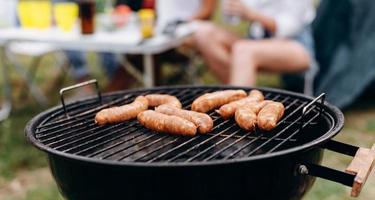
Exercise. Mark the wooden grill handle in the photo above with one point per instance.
(361, 166)
(355, 174)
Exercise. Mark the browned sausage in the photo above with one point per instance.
(122, 113)
(270, 115)
(203, 121)
(214, 100)
(256, 95)
(160, 99)
(246, 116)
(165, 123)
(227, 111)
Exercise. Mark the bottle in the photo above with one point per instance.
(147, 22)
(87, 15)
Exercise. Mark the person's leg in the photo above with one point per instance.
(215, 44)
(109, 64)
(121, 79)
(273, 55)
(78, 63)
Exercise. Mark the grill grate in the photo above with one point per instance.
(131, 142)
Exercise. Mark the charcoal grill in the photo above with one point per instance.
(128, 161)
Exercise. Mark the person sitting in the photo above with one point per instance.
(170, 11)
(280, 40)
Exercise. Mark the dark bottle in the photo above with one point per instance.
(148, 4)
(87, 15)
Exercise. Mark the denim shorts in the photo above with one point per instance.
(305, 38)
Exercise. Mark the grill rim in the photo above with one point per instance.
(335, 114)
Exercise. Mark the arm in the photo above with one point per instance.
(267, 22)
(288, 22)
(206, 10)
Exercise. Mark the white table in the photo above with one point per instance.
(127, 41)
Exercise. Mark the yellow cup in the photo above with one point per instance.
(147, 20)
(66, 15)
(35, 14)
(24, 13)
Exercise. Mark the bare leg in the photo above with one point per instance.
(215, 45)
(273, 55)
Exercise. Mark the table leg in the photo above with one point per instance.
(148, 76)
(129, 67)
(6, 106)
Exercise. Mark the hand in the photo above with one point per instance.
(237, 8)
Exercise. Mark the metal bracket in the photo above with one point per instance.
(62, 91)
(326, 173)
(306, 110)
(340, 147)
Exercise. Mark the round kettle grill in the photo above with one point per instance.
(128, 161)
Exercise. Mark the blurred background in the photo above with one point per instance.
(24, 172)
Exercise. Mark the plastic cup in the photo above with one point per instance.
(147, 20)
(43, 14)
(66, 15)
(25, 15)
(35, 14)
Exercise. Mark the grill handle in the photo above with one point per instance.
(63, 90)
(309, 107)
(355, 174)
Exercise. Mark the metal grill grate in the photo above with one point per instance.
(131, 142)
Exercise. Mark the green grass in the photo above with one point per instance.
(20, 162)
(24, 173)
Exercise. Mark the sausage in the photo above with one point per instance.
(122, 113)
(246, 115)
(246, 118)
(165, 123)
(256, 95)
(227, 111)
(202, 121)
(270, 115)
(214, 100)
(160, 99)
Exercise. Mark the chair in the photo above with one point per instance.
(309, 78)
(37, 51)
(6, 105)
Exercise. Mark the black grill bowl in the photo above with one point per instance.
(264, 179)
(263, 174)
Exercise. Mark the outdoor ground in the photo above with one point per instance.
(24, 173)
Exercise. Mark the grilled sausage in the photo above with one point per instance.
(214, 100)
(122, 113)
(256, 95)
(227, 111)
(160, 99)
(246, 115)
(246, 118)
(165, 123)
(202, 121)
(270, 115)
